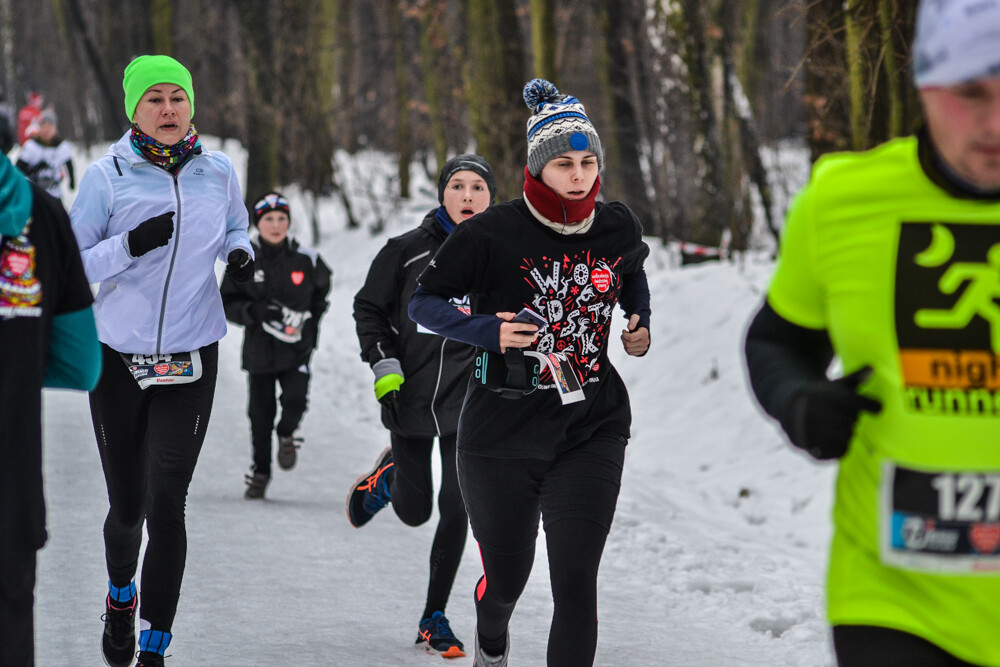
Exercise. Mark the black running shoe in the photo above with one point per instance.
(370, 493)
(149, 659)
(118, 642)
(435, 637)
(256, 485)
(286, 451)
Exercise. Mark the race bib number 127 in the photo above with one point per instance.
(946, 521)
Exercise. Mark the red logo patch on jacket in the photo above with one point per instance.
(298, 277)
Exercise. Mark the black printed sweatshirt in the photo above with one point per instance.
(505, 260)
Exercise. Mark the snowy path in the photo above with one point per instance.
(716, 556)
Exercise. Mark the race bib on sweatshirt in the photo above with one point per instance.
(163, 369)
(941, 521)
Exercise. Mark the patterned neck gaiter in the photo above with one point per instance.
(168, 157)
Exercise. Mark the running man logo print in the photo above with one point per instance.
(577, 296)
(948, 317)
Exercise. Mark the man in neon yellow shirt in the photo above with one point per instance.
(889, 261)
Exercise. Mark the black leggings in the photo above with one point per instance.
(871, 646)
(263, 408)
(149, 441)
(575, 495)
(412, 494)
(17, 601)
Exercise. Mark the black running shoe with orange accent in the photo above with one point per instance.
(118, 641)
(370, 493)
(435, 637)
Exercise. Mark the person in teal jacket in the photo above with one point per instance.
(47, 339)
(889, 261)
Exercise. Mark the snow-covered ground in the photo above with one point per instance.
(716, 556)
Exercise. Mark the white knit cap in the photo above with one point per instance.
(956, 41)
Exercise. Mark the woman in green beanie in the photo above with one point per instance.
(151, 218)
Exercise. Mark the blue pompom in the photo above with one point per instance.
(538, 92)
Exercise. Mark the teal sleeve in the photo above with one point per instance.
(74, 352)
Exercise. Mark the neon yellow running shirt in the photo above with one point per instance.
(906, 279)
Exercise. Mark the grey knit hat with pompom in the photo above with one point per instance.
(558, 124)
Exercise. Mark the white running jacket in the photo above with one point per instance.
(165, 301)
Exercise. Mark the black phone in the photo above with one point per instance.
(528, 316)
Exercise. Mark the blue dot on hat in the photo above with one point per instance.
(579, 142)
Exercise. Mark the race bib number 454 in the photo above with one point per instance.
(945, 521)
(157, 369)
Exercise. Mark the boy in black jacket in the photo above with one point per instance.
(280, 311)
(436, 372)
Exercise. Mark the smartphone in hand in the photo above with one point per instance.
(528, 316)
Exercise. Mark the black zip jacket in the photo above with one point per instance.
(292, 275)
(436, 370)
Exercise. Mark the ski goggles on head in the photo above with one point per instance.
(271, 202)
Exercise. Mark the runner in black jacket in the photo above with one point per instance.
(436, 371)
(557, 452)
(280, 311)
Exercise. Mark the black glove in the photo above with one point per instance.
(265, 311)
(821, 417)
(150, 234)
(240, 267)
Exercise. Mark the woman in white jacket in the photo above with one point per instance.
(151, 218)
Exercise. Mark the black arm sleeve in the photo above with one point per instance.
(236, 302)
(634, 298)
(321, 292)
(782, 359)
(374, 303)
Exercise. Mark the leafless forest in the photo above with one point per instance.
(684, 93)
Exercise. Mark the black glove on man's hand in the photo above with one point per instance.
(821, 418)
(150, 234)
(265, 311)
(240, 267)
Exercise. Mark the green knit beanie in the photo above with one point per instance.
(146, 71)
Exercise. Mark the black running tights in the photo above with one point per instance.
(412, 495)
(17, 601)
(871, 646)
(575, 496)
(149, 441)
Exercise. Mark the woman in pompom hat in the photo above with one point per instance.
(151, 218)
(279, 311)
(435, 372)
(543, 436)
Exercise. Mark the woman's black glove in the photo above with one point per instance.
(150, 234)
(821, 417)
(240, 267)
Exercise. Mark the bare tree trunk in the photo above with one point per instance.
(263, 121)
(433, 41)
(706, 228)
(161, 21)
(543, 41)
(404, 146)
(111, 101)
(855, 75)
(622, 21)
(893, 86)
(495, 80)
